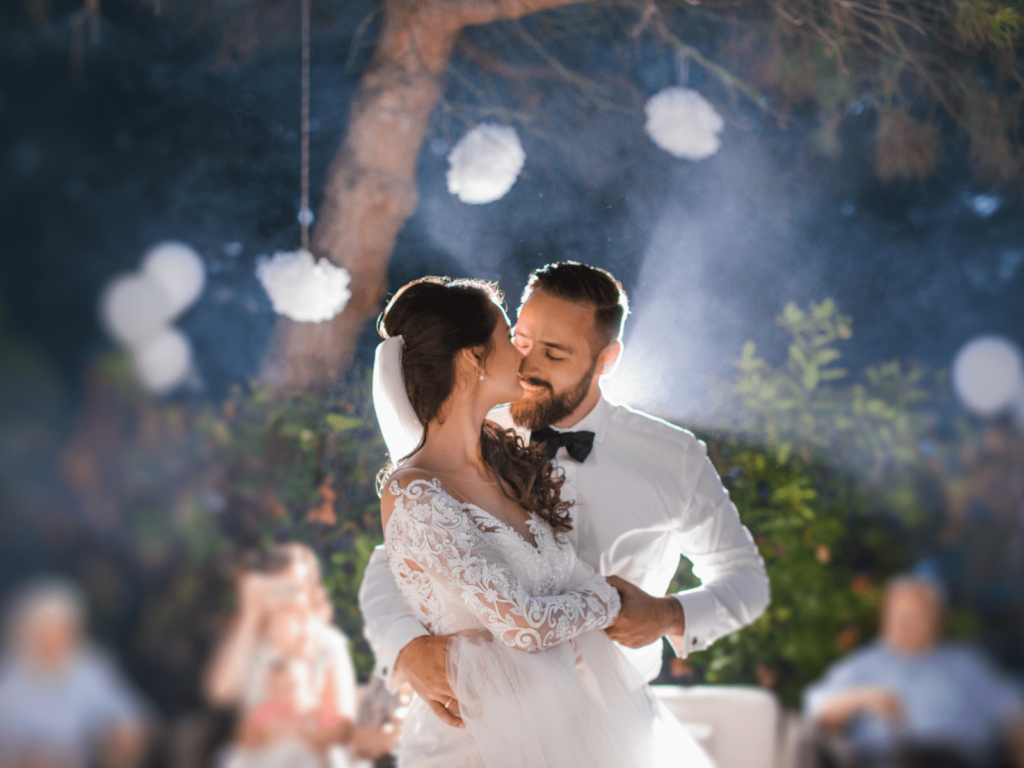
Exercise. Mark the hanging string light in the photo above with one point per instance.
(305, 214)
(299, 286)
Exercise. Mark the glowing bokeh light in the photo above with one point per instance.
(485, 164)
(986, 205)
(137, 310)
(988, 374)
(178, 270)
(684, 123)
(163, 362)
(134, 308)
(302, 288)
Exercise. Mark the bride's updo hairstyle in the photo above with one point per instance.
(437, 318)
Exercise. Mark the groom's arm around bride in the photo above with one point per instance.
(645, 495)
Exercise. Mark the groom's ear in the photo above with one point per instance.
(608, 358)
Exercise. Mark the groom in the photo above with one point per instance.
(645, 494)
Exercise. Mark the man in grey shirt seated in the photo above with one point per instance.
(63, 703)
(913, 699)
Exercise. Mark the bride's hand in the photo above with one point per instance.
(423, 663)
(644, 618)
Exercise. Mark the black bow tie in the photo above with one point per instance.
(577, 444)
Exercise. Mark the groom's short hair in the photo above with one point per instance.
(592, 287)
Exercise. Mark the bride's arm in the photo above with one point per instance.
(435, 535)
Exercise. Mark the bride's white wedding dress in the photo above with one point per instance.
(539, 684)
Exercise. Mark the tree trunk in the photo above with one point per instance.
(371, 184)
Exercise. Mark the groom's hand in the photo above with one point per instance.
(423, 663)
(644, 618)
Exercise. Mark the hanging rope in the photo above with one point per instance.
(305, 214)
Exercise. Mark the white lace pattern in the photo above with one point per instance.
(465, 569)
(572, 700)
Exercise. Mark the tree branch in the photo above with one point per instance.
(477, 12)
(371, 184)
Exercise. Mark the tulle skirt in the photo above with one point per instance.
(287, 753)
(578, 704)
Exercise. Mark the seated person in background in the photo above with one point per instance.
(287, 711)
(284, 616)
(285, 727)
(913, 699)
(63, 703)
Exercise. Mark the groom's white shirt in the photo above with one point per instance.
(646, 495)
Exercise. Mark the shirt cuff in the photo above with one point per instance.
(400, 634)
(699, 610)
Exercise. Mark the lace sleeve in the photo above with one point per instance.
(429, 534)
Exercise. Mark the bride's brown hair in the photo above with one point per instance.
(437, 318)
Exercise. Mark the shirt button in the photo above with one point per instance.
(695, 641)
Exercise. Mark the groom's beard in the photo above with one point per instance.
(546, 409)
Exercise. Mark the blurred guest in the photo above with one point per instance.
(290, 673)
(63, 704)
(913, 699)
(283, 728)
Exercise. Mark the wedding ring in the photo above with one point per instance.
(450, 699)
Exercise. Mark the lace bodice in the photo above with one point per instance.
(465, 569)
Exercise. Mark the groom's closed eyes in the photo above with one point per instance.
(552, 350)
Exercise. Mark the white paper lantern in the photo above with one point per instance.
(988, 374)
(485, 164)
(134, 308)
(163, 362)
(179, 270)
(683, 123)
(302, 288)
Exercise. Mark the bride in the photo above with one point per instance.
(474, 533)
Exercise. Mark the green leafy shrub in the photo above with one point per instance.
(200, 489)
(828, 473)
